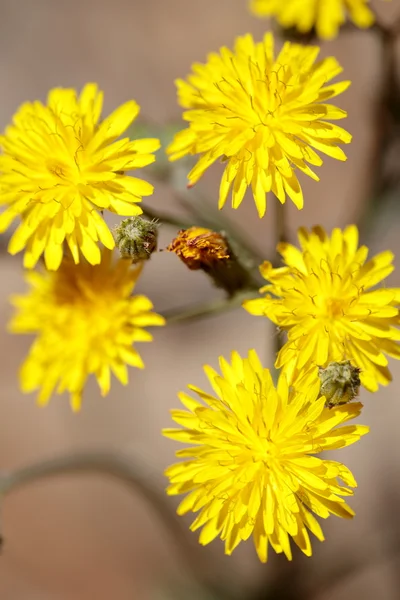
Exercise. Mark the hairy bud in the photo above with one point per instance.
(340, 382)
(136, 238)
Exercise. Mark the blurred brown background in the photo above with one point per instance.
(84, 537)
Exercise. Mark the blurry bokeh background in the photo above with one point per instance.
(88, 537)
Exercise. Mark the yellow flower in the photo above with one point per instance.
(325, 15)
(325, 298)
(61, 167)
(251, 469)
(86, 321)
(262, 115)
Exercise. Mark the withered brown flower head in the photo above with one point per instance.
(199, 247)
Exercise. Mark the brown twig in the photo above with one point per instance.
(384, 125)
(212, 308)
(281, 235)
(126, 470)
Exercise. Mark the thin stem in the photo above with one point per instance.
(384, 125)
(208, 309)
(115, 466)
(281, 235)
(179, 222)
(393, 30)
(110, 464)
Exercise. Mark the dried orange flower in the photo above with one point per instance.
(199, 247)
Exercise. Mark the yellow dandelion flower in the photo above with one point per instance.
(86, 322)
(251, 469)
(61, 166)
(326, 299)
(263, 115)
(325, 15)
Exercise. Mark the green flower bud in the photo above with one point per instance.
(340, 382)
(136, 238)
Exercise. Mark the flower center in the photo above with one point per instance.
(66, 174)
(334, 307)
(265, 451)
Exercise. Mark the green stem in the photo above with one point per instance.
(209, 309)
(179, 222)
